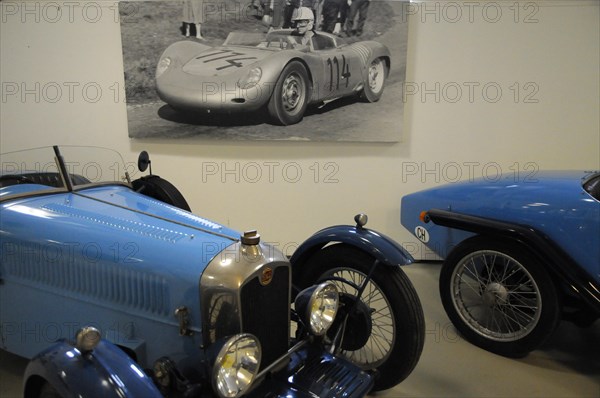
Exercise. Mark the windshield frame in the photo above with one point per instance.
(62, 169)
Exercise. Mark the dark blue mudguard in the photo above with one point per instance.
(106, 371)
(381, 247)
(312, 373)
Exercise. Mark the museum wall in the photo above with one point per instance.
(486, 95)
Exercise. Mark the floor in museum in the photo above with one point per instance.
(567, 366)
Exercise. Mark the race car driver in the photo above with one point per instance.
(304, 21)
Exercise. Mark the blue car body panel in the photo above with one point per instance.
(553, 203)
(110, 266)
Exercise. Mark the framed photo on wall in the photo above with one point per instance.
(329, 70)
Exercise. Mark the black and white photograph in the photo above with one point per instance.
(327, 70)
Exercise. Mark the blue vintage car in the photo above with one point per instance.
(147, 299)
(519, 254)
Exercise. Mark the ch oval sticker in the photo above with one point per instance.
(422, 234)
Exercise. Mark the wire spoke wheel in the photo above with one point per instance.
(385, 330)
(498, 296)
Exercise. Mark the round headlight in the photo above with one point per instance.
(318, 304)
(236, 366)
(251, 79)
(162, 66)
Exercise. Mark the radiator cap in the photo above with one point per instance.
(250, 238)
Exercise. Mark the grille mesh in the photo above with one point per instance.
(265, 313)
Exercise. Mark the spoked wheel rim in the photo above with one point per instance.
(496, 296)
(293, 93)
(376, 75)
(381, 341)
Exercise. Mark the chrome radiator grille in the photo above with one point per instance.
(265, 313)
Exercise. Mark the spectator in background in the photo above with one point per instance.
(193, 14)
(331, 13)
(360, 8)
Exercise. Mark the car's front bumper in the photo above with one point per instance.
(210, 93)
(312, 372)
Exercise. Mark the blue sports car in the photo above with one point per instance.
(148, 299)
(519, 254)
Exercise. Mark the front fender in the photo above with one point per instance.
(106, 371)
(383, 248)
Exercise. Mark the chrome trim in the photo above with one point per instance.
(222, 282)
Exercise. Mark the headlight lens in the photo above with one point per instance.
(251, 79)
(236, 366)
(318, 305)
(162, 66)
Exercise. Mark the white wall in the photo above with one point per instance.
(542, 55)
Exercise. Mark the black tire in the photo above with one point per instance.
(498, 296)
(291, 95)
(396, 312)
(160, 189)
(375, 83)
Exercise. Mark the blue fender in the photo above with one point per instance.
(106, 371)
(378, 245)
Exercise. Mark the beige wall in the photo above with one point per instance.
(62, 83)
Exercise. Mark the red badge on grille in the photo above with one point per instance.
(266, 277)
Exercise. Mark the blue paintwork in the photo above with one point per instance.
(109, 267)
(553, 203)
(376, 244)
(105, 372)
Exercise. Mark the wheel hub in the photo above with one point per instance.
(373, 73)
(358, 326)
(291, 93)
(495, 294)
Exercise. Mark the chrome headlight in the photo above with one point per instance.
(162, 66)
(251, 79)
(318, 306)
(236, 365)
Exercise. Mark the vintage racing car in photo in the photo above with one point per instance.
(520, 253)
(251, 71)
(147, 299)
